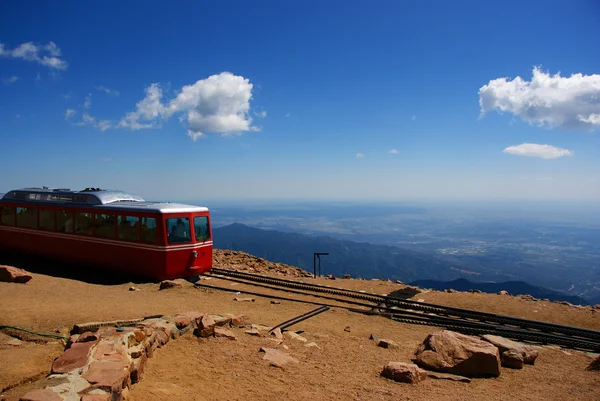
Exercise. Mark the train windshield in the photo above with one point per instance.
(201, 228)
(179, 230)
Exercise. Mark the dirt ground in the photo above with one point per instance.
(345, 366)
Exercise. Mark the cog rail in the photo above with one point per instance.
(405, 304)
(413, 317)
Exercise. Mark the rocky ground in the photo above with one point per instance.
(343, 362)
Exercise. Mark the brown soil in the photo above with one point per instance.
(346, 366)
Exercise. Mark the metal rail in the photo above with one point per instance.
(442, 311)
(412, 317)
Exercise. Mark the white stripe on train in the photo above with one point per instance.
(137, 245)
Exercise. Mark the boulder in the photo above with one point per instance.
(502, 292)
(512, 359)
(205, 326)
(595, 365)
(530, 354)
(451, 352)
(404, 372)
(12, 274)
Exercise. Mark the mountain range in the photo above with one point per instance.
(512, 287)
(366, 260)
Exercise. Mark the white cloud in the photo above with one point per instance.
(10, 80)
(552, 101)
(88, 119)
(394, 151)
(261, 114)
(360, 155)
(87, 103)
(47, 55)
(108, 91)
(414, 118)
(69, 113)
(38, 77)
(217, 104)
(536, 150)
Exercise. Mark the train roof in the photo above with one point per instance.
(101, 198)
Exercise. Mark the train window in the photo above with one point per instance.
(179, 230)
(201, 228)
(46, 219)
(148, 232)
(104, 225)
(84, 223)
(26, 217)
(64, 221)
(7, 216)
(127, 229)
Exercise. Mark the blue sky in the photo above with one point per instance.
(303, 100)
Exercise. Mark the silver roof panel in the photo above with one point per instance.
(112, 199)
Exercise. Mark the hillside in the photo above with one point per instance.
(345, 257)
(512, 287)
(344, 364)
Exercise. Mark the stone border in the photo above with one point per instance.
(102, 365)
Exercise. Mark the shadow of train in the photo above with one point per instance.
(58, 268)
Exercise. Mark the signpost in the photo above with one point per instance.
(317, 255)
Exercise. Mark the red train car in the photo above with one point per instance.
(108, 229)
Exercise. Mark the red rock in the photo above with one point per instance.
(387, 344)
(205, 326)
(107, 375)
(277, 333)
(87, 336)
(109, 351)
(530, 354)
(451, 352)
(253, 332)
(238, 321)
(512, 359)
(221, 320)
(95, 397)
(41, 395)
(595, 365)
(404, 372)
(169, 284)
(73, 358)
(12, 274)
(224, 333)
(277, 358)
(161, 338)
(139, 336)
(448, 376)
(138, 368)
(503, 292)
(182, 321)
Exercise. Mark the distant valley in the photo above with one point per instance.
(362, 259)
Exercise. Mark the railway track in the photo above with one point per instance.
(408, 311)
